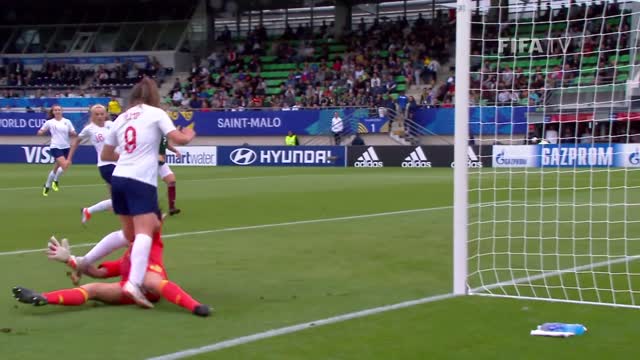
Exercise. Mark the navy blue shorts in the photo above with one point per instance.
(106, 171)
(133, 197)
(56, 153)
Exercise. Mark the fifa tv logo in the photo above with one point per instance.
(533, 46)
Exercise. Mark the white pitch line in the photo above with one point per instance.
(263, 226)
(358, 314)
(295, 328)
(253, 227)
(545, 275)
(236, 178)
(313, 221)
(187, 180)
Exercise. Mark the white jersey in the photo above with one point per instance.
(60, 131)
(137, 133)
(96, 135)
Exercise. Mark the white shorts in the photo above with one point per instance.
(164, 170)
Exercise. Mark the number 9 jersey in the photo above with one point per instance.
(138, 133)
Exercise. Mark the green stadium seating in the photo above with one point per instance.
(274, 74)
(400, 79)
(622, 78)
(337, 48)
(268, 59)
(278, 67)
(274, 82)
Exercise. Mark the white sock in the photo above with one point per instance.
(103, 205)
(58, 174)
(139, 258)
(50, 179)
(106, 246)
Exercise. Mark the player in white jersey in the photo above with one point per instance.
(61, 131)
(134, 183)
(95, 132)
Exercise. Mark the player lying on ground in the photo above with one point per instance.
(155, 283)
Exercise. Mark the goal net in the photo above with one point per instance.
(552, 93)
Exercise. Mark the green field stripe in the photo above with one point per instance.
(299, 327)
(254, 227)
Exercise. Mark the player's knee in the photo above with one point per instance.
(91, 290)
(153, 282)
(170, 179)
(62, 163)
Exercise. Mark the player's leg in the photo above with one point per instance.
(136, 203)
(111, 293)
(105, 172)
(145, 225)
(69, 297)
(50, 177)
(104, 205)
(156, 282)
(62, 163)
(170, 179)
(108, 244)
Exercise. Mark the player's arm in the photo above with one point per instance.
(72, 130)
(76, 142)
(109, 153)
(179, 137)
(61, 251)
(44, 129)
(74, 146)
(173, 148)
(109, 269)
(109, 149)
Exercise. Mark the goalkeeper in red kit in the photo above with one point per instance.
(155, 283)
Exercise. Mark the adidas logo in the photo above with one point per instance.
(473, 161)
(417, 158)
(368, 159)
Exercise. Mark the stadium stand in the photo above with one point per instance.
(596, 55)
(368, 66)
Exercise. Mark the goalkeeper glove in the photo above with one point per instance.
(60, 251)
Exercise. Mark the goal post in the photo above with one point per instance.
(553, 93)
(460, 195)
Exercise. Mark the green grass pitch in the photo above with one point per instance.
(265, 277)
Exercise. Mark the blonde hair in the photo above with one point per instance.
(92, 108)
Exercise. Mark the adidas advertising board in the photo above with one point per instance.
(416, 158)
(369, 158)
(473, 159)
(401, 156)
(325, 156)
(193, 156)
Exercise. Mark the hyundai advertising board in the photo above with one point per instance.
(327, 156)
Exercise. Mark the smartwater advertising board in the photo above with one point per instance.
(192, 156)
